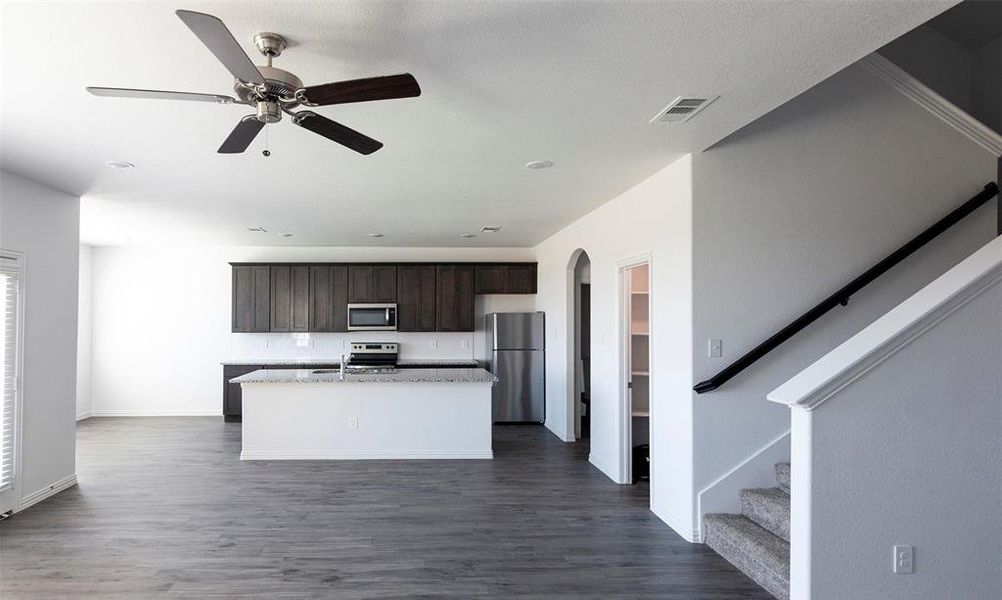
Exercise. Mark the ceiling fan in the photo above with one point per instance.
(273, 91)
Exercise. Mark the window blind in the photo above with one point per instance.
(10, 300)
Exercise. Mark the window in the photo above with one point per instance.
(10, 311)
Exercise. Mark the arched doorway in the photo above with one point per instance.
(579, 345)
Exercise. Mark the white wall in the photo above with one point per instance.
(161, 322)
(793, 207)
(84, 334)
(44, 224)
(652, 217)
(911, 454)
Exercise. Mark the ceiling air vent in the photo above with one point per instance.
(682, 109)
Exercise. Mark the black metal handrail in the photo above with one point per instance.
(841, 297)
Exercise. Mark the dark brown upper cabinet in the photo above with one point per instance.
(416, 292)
(372, 283)
(520, 279)
(290, 298)
(515, 278)
(455, 298)
(251, 311)
(314, 297)
(329, 298)
(490, 279)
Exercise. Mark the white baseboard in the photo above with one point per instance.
(678, 524)
(51, 490)
(84, 415)
(366, 455)
(156, 413)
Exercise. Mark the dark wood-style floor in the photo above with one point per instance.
(165, 509)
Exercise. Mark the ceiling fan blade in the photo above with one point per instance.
(221, 42)
(158, 95)
(336, 132)
(242, 135)
(363, 90)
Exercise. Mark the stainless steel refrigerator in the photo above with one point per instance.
(515, 343)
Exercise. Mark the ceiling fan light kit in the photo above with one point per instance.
(273, 91)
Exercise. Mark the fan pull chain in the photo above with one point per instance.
(266, 153)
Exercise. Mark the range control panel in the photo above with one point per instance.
(375, 347)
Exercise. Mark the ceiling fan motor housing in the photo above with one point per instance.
(279, 83)
(269, 112)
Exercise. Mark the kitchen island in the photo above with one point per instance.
(414, 413)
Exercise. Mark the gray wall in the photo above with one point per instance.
(935, 60)
(796, 205)
(931, 480)
(44, 224)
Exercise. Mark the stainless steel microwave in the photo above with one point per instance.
(372, 317)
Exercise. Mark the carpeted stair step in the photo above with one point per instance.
(770, 508)
(757, 553)
(783, 476)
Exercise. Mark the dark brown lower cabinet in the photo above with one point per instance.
(456, 298)
(416, 293)
(233, 393)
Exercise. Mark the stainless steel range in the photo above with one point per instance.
(373, 357)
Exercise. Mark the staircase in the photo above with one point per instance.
(757, 541)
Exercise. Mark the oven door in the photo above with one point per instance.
(372, 317)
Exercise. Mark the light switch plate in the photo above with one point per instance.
(716, 348)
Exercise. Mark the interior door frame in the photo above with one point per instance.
(13, 502)
(625, 402)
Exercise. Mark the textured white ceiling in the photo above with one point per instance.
(503, 83)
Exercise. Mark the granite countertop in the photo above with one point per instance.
(459, 362)
(452, 375)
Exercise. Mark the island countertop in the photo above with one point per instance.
(451, 375)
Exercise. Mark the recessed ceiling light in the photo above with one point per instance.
(375, 235)
(490, 228)
(119, 164)
(467, 235)
(539, 164)
(257, 229)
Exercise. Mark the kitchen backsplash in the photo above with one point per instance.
(333, 345)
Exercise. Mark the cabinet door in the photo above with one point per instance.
(339, 291)
(321, 299)
(251, 299)
(416, 298)
(300, 298)
(385, 283)
(520, 279)
(290, 298)
(456, 298)
(490, 279)
(361, 283)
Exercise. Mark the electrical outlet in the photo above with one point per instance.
(353, 423)
(904, 559)
(716, 349)
(464, 344)
(434, 344)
